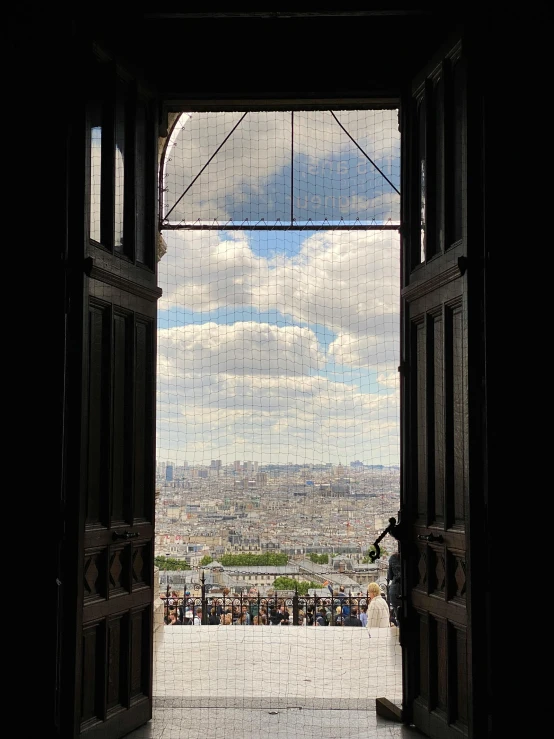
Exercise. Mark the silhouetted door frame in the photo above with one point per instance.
(106, 645)
(442, 397)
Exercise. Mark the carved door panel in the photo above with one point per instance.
(438, 503)
(106, 682)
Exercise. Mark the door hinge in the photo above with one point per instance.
(88, 266)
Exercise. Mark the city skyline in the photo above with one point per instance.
(184, 465)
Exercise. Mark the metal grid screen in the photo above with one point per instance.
(278, 410)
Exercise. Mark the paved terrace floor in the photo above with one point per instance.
(249, 682)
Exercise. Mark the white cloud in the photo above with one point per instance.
(366, 351)
(346, 281)
(256, 160)
(389, 379)
(277, 418)
(254, 390)
(245, 347)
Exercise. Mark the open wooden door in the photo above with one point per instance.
(105, 634)
(442, 401)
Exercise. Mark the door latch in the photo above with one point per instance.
(125, 535)
(430, 537)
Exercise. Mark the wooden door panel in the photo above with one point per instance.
(118, 540)
(435, 430)
(115, 676)
(436, 340)
(112, 680)
(441, 584)
(441, 708)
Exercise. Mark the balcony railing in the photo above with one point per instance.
(244, 609)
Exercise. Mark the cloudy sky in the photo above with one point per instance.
(280, 346)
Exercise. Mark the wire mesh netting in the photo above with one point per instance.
(278, 412)
(282, 168)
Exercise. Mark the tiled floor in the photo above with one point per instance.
(248, 682)
(291, 723)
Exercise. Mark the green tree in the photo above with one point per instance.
(234, 560)
(319, 559)
(170, 563)
(206, 560)
(289, 583)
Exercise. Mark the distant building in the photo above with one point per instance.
(173, 512)
(169, 473)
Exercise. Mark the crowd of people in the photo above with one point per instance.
(338, 610)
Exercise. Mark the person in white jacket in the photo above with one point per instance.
(378, 610)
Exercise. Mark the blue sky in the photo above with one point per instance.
(281, 345)
(254, 174)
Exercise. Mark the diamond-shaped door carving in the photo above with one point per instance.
(91, 576)
(116, 568)
(440, 573)
(422, 567)
(460, 577)
(138, 565)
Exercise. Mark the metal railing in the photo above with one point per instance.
(260, 609)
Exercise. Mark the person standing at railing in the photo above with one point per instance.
(279, 616)
(321, 619)
(352, 619)
(253, 606)
(274, 616)
(344, 601)
(378, 611)
(185, 605)
(218, 609)
(213, 618)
